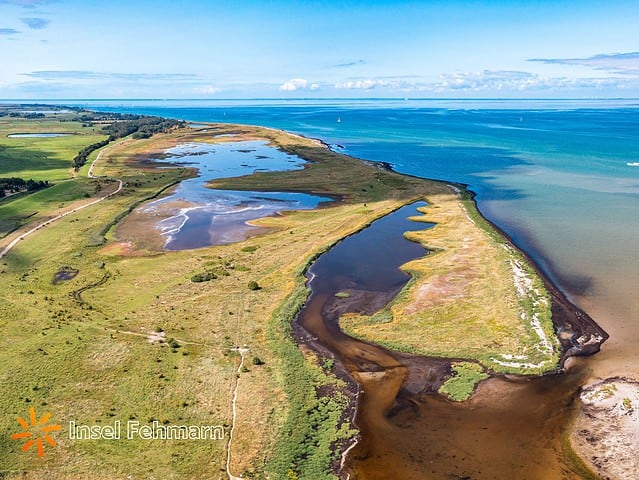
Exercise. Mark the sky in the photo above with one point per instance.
(90, 49)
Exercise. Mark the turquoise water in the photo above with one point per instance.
(560, 177)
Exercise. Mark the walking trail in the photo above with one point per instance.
(18, 239)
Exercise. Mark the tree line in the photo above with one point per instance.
(15, 185)
(141, 127)
(123, 125)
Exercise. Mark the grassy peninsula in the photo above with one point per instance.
(102, 325)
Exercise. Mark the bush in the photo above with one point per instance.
(203, 277)
(258, 361)
(253, 285)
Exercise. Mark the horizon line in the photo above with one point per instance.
(315, 99)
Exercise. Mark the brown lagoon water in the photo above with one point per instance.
(511, 429)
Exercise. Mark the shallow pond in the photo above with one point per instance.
(201, 216)
(38, 135)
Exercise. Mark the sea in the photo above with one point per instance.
(560, 177)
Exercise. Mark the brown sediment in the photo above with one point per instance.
(507, 430)
(511, 428)
(139, 229)
(121, 249)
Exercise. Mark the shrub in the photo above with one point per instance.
(203, 277)
(253, 285)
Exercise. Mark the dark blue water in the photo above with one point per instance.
(348, 264)
(560, 177)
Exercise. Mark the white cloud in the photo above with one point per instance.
(620, 63)
(491, 82)
(513, 81)
(299, 84)
(90, 75)
(366, 84)
(207, 90)
(486, 80)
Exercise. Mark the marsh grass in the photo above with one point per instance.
(461, 385)
(462, 301)
(94, 362)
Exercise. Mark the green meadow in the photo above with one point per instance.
(43, 158)
(47, 159)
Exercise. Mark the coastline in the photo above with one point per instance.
(579, 334)
(576, 330)
(381, 166)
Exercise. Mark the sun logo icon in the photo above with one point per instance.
(41, 431)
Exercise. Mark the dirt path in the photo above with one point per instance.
(161, 336)
(242, 352)
(157, 337)
(18, 239)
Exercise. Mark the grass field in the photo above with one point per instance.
(43, 159)
(132, 337)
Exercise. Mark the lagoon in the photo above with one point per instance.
(553, 174)
(200, 216)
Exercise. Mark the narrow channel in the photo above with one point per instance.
(511, 428)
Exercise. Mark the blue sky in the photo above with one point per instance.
(54, 49)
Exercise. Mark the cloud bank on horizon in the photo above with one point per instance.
(619, 63)
(393, 48)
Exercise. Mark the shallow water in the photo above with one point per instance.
(37, 135)
(508, 430)
(557, 176)
(204, 216)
